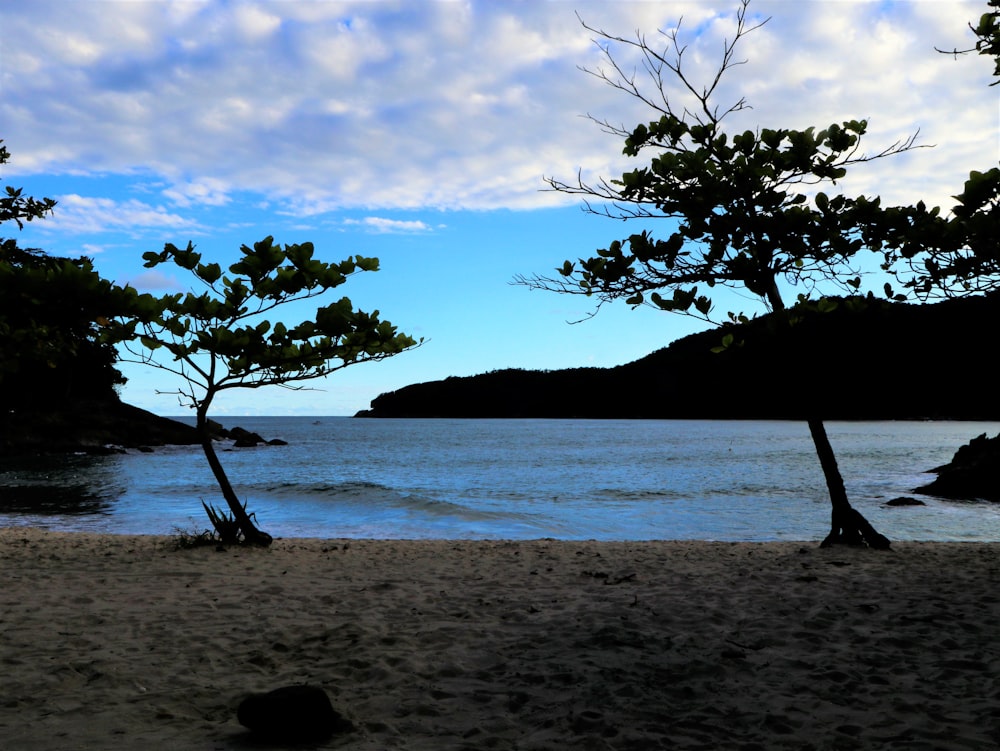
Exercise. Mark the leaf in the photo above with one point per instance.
(367, 264)
(210, 272)
(727, 342)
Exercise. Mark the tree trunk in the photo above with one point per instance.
(251, 535)
(847, 526)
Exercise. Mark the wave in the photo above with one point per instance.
(620, 494)
(352, 489)
(370, 496)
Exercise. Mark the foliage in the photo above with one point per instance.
(51, 349)
(18, 208)
(746, 210)
(948, 255)
(225, 525)
(988, 36)
(186, 540)
(218, 339)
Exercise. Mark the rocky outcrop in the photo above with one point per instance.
(904, 501)
(90, 427)
(243, 438)
(972, 474)
(104, 426)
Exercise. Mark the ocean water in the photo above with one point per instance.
(514, 479)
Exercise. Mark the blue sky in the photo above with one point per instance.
(420, 133)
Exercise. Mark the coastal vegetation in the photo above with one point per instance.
(58, 380)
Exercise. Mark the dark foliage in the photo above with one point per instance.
(57, 376)
(50, 355)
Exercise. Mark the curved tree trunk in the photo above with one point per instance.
(847, 525)
(251, 535)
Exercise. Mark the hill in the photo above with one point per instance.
(865, 360)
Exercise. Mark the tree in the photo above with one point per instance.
(742, 210)
(219, 340)
(50, 349)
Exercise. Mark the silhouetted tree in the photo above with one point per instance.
(219, 340)
(745, 208)
(51, 349)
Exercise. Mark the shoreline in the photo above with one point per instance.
(111, 640)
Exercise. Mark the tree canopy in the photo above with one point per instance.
(746, 209)
(51, 349)
(947, 255)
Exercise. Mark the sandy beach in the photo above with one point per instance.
(111, 642)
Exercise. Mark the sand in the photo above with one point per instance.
(111, 642)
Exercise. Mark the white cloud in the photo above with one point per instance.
(206, 192)
(87, 215)
(382, 226)
(393, 105)
(255, 23)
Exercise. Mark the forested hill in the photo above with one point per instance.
(881, 361)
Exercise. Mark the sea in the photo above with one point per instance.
(341, 477)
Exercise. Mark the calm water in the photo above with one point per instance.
(515, 479)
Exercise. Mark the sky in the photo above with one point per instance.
(421, 133)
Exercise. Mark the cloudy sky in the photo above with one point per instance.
(420, 133)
